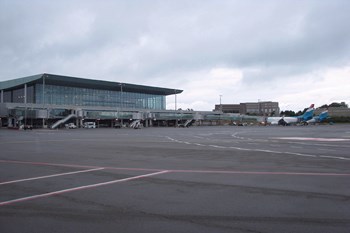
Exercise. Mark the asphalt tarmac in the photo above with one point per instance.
(198, 179)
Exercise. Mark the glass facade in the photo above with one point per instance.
(65, 95)
(17, 95)
(108, 115)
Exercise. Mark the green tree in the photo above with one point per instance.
(338, 105)
(288, 113)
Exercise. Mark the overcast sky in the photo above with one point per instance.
(295, 52)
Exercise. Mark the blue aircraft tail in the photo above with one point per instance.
(317, 119)
(308, 114)
(323, 116)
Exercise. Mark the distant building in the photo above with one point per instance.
(228, 108)
(253, 108)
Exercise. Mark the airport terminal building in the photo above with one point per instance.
(42, 100)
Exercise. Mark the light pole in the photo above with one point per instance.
(121, 102)
(175, 100)
(25, 104)
(176, 123)
(220, 103)
(220, 110)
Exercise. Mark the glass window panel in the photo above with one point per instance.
(94, 97)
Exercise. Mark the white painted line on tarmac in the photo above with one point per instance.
(239, 148)
(260, 173)
(334, 157)
(197, 144)
(79, 188)
(49, 176)
(216, 146)
(267, 151)
(319, 144)
(299, 154)
(314, 139)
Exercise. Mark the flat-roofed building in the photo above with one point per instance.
(228, 108)
(253, 108)
(260, 108)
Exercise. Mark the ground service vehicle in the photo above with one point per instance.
(89, 125)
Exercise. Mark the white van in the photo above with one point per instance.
(89, 125)
(70, 126)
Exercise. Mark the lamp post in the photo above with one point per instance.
(175, 100)
(121, 101)
(176, 123)
(220, 110)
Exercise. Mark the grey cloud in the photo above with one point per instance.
(279, 38)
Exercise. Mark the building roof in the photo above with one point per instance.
(52, 79)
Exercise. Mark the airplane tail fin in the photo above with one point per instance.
(309, 113)
(323, 115)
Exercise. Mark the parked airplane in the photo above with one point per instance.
(288, 120)
(317, 119)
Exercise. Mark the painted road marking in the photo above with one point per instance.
(196, 171)
(319, 144)
(216, 146)
(337, 157)
(77, 166)
(260, 150)
(49, 176)
(259, 173)
(314, 139)
(78, 188)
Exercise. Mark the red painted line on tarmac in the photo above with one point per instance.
(49, 176)
(78, 166)
(79, 188)
(183, 171)
(47, 164)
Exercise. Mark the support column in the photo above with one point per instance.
(25, 93)
(2, 96)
